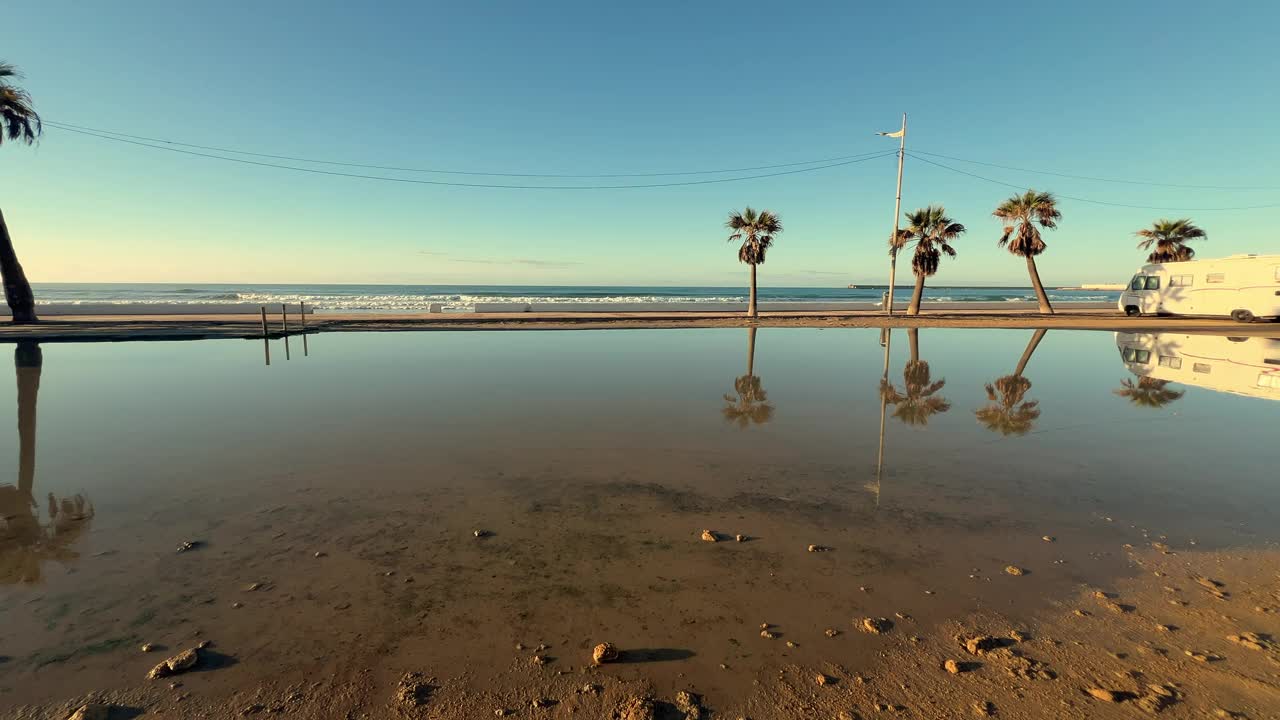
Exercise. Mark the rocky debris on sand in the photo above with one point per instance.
(876, 626)
(589, 689)
(709, 536)
(1251, 640)
(1014, 570)
(1201, 657)
(690, 704)
(791, 644)
(1049, 538)
(638, 707)
(831, 632)
(1112, 696)
(502, 712)
(1115, 607)
(1165, 628)
(984, 708)
(1019, 635)
(768, 635)
(980, 644)
(481, 533)
(91, 711)
(1029, 669)
(818, 548)
(951, 666)
(539, 660)
(1157, 698)
(543, 703)
(147, 647)
(846, 715)
(823, 679)
(1231, 714)
(739, 538)
(251, 587)
(413, 690)
(604, 653)
(179, 663)
(188, 545)
(1208, 583)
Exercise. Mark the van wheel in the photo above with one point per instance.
(1132, 310)
(1242, 316)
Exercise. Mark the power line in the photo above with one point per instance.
(82, 128)
(412, 181)
(1089, 200)
(1102, 179)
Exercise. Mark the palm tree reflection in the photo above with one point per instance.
(1148, 392)
(751, 404)
(1007, 412)
(919, 400)
(25, 544)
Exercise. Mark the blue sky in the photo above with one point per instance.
(1182, 92)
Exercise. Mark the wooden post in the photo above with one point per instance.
(284, 323)
(302, 310)
(266, 344)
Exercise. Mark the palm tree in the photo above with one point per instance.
(1148, 392)
(751, 406)
(932, 232)
(919, 400)
(1170, 238)
(1020, 215)
(18, 122)
(1007, 412)
(756, 231)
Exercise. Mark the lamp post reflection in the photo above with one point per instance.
(750, 403)
(24, 543)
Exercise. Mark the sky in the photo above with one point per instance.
(1181, 92)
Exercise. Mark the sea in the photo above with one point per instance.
(463, 298)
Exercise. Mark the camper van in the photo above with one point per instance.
(1242, 286)
(1247, 366)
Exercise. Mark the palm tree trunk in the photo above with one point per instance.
(1041, 296)
(751, 351)
(27, 360)
(916, 295)
(17, 291)
(1031, 348)
(751, 306)
(913, 337)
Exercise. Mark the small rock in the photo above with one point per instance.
(1251, 640)
(818, 548)
(639, 707)
(502, 712)
(179, 663)
(984, 708)
(147, 647)
(539, 660)
(413, 690)
(876, 626)
(823, 679)
(739, 538)
(832, 632)
(1049, 538)
(237, 605)
(952, 667)
(589, 689)
(1105, 695)
(1019, 635)
(981, 644)
(790, 644)
(604, 653)
(1014, 570)
(188, 545)
(320, 554)
(480, 533)
(542, 703)
(91, 711)
(767, 634)
(708, 536)
(690, 704)
(251, 587)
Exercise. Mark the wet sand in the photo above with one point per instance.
(108, 328)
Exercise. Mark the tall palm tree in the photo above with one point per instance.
(1148, 392)
(19, 123)
(932, 232)
(751, 406)
(757, 232)
(1007, 411)
(919, 400)
(1170, 238)
(1021, 214)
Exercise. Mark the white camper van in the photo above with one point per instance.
(1242, 286)
(1239, 365)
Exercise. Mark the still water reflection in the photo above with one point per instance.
(595, 458)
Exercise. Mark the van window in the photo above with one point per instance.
(1201, 368)
(1215, 277)
(1278, 273)
(1171, 362)
(1153, 283)
(1269, 380)
(1180, 281)
(1134, 355)
(1136, 283)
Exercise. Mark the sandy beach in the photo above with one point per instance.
(115, 328)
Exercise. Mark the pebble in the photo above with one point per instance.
(823, 679)
(319, 554)
(739, 538)
(1105, 695)
(1049, 538)
(91, 711)
(984, 708)
(832, 632)
(952, 667)
(187, 545)
(876, 626)
(818, 548)
(603, 653)
(1014, 570)
(147, 647)
(708, 536)
(181, 662)
(790, 644)
(767, 634)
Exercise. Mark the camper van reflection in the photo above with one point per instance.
(1239, 365)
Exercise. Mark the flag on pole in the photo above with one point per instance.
(896, 134)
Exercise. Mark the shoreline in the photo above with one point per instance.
(125, 328)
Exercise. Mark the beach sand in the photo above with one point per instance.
(109, 328)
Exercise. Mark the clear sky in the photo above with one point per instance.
(1179, 92)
